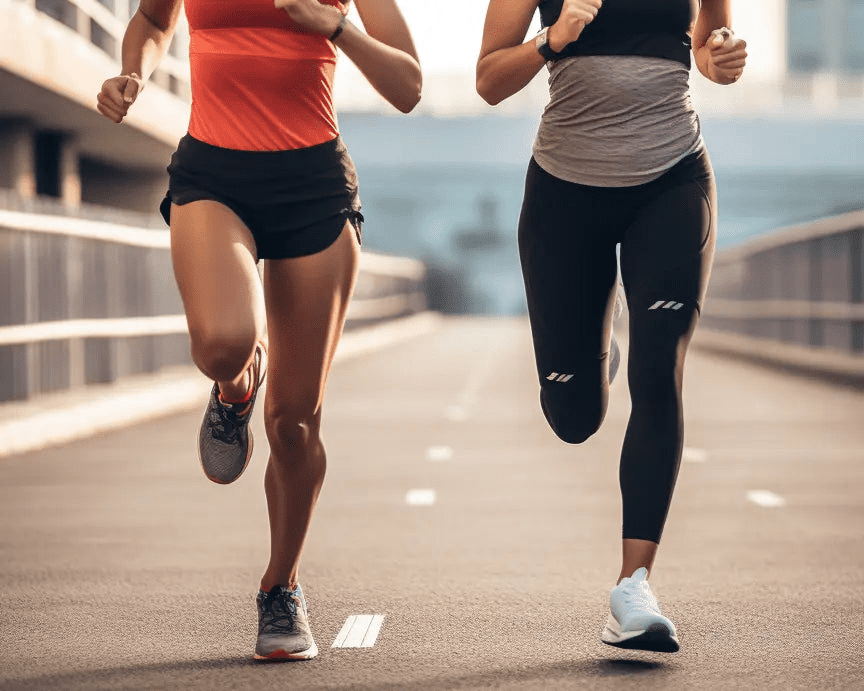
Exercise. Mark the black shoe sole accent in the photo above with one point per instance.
(656, 640)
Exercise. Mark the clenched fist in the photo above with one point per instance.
(575, 16)
(727, 56)
(117, 94)
(312, 15)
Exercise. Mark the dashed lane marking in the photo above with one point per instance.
(763, 497)
(439, 453)
(359, 631)
(692, 455)
(420, 497)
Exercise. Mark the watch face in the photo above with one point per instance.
(542, 44)
(542, 38)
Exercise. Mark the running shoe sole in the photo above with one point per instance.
(656, 638)
(281, 655)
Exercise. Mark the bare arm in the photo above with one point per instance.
(506, 64)
(144, 44)
(719, 55)
(384, 53)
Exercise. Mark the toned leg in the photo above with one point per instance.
(666, 284)
(570, 269)
(307, 300)
(214, 264)
(636, 554)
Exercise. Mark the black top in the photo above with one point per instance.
(653, 28)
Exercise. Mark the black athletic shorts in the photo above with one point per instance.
(294, 202)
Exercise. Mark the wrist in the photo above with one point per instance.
(340, 27)
(556, 44)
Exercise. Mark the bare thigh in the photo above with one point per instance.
(307, 301)
(214, 263)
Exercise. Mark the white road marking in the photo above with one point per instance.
(692, 455)
(763, 497)
(420, 497)
(359, 631)
(439, 453)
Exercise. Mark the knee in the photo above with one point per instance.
(221, 354)
(655, 371)
(293, 428)
(573, 421)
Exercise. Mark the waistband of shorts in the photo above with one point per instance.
(320, 156)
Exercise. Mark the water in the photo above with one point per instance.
(755, 202)
(461, 220)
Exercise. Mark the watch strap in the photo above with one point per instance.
(340, 28)
(543, 47)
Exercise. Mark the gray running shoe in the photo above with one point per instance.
(225, 441)
(283, 626)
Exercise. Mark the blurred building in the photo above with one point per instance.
(54, 145)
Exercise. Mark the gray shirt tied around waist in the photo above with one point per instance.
(616, 121)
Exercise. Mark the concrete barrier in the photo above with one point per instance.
(92, 302)
(793, 298)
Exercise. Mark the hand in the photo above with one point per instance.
(118, 93)
(575, 16)
(313, 15)
(726, 56)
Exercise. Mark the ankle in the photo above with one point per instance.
(238, 391)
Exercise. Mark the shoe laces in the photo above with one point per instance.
(280, 608)
(639, 593)
(224, 423)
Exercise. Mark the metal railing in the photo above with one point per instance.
(86, 302)
(794, 297)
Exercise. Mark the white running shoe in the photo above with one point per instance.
(634, 619)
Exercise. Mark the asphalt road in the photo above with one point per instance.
(122, 567)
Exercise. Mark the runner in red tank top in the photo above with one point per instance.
(239, 51)
(263, 174)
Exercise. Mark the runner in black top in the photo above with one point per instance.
(618, 161)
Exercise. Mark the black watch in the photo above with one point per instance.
(543, 47)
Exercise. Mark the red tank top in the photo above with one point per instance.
(259, 81)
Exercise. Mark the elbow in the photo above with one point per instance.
(410, 96)
(415, 93)
(410, 105)
(486, 90)
(406, 105)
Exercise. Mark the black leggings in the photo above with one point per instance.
(567, 242)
